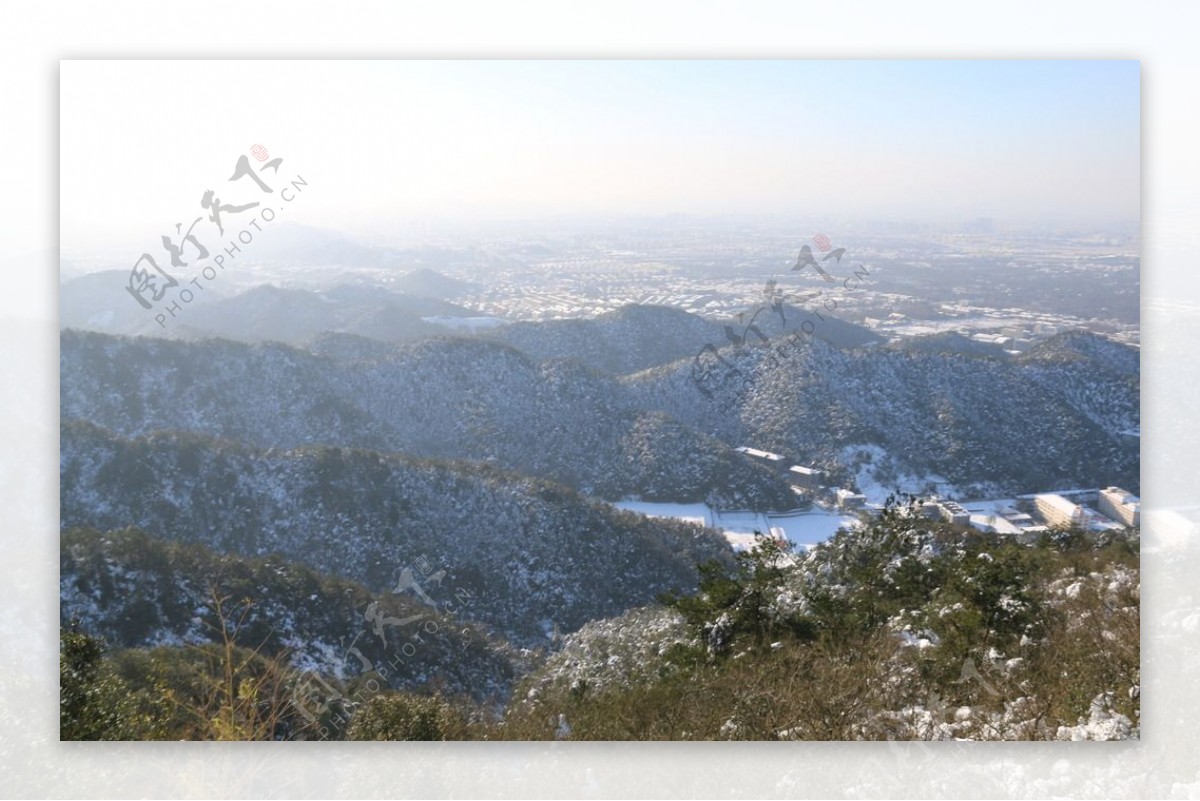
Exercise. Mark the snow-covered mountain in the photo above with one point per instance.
(98, 302)
(1051, 418)
(536, 555)
(638, 337)
(138, 591)
(443, 398)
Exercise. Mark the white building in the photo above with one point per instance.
(1057, 510)
(1119, 505)
(773, 460)
(1015, 524)
(953, 513)
(849, 499)
(804, 478)
(948, 511)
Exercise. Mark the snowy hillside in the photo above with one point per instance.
(453, 398)
(537, 555)
(138, 591)
(1021, 425)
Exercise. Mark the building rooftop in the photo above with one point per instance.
(774, 457)
(1123, 497)
(1058, 502)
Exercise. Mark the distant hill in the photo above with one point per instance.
(624, 341)
(428, 283)
(99, 302)
(416, 305)
(536, 554)
(296, 316)
(950, 342)
(1051, 419)
(442, 398)
(638, 337)
(1097, 376)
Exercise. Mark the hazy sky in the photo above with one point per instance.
(387, 143)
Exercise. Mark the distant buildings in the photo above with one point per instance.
(993, 339)
(849, 499)
(947, 511)
(1057, 510)
(1026, 516)
(772, 460)
(953, 513)
(804, 479)
(1001, 518)
(1121, 506)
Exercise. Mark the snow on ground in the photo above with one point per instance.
(811, 527)
(867, 461)
(742, 522)
(963, 325)
(1102, 723)
(803, 528)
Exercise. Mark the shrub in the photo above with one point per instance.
(400, 716)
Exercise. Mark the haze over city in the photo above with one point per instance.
(391, 145)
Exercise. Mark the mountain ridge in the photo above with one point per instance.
(538, 554)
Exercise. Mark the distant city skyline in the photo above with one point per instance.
(389, 144)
